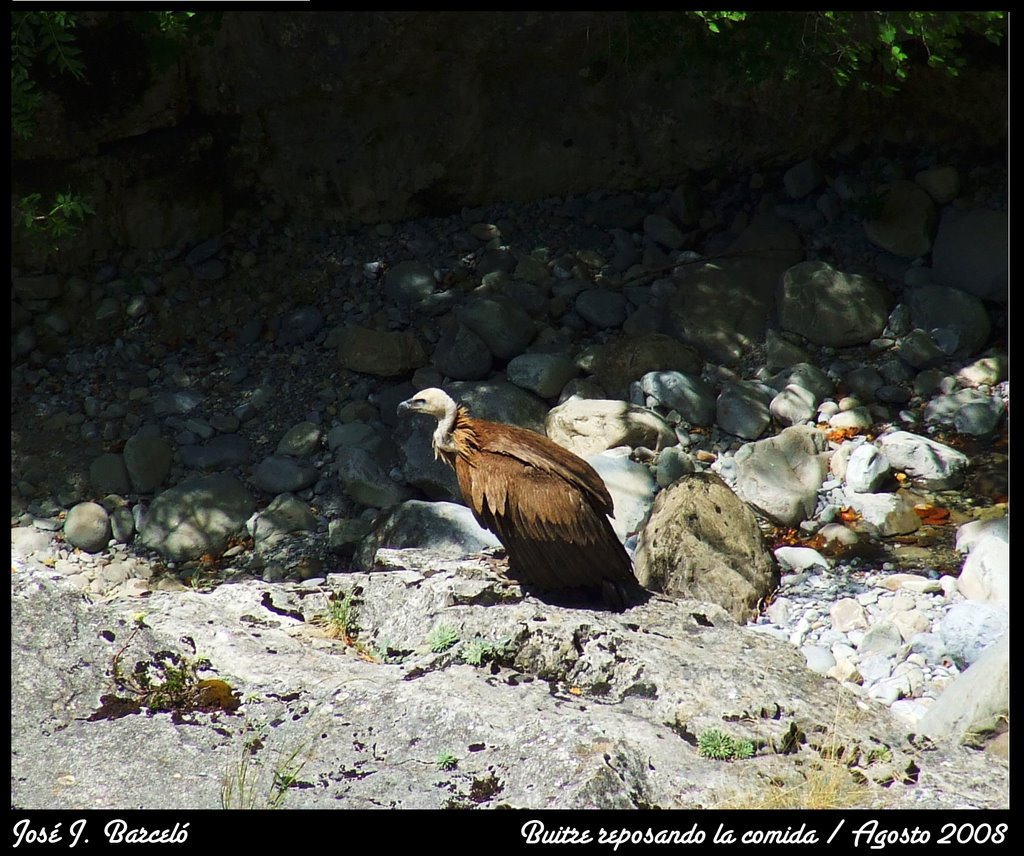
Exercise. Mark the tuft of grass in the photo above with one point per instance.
(446, 760)
(339, 622)
(246, 786)
(828, 781)
(442, 637)
(827, 784)
(340, 617)
(721, 747)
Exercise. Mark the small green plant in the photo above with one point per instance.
(285, 774)
(879, 754)
(168, 34)
(340, 623)
(238, 789)
(385, 651)
(341, 613)
(175, 24)
(201, 578)
(442, 638)
(166, 682)
(242, 787)
(721, 747)
(446, 761)
(477, 651)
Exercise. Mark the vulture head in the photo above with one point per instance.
(434, 402)
(437, 403)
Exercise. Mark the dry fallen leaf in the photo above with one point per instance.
(838, 435)
(931, 514)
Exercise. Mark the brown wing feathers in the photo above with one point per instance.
(547, 506)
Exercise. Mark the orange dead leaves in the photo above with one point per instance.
(785, 538)
(848, 515)
(932, 515)
(840, 435)
(792, 538)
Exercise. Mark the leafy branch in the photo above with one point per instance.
(36, 37)
(872, 50)
(48, 224)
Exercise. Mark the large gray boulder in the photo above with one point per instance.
(197, 517)
(780, 476)
(976, 704)
(588, 426)
(723, 306)
(444, 528)
(829, 307)
(703, 542)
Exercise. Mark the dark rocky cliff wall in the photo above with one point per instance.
(359, 117)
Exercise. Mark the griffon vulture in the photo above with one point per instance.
(548, 507)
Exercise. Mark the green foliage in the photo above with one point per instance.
(879, 754)
(384, 652)
(477, 651)
(286, 773)
(341, 616)
(442, 638)
(39, 38)
(242, 786)
(166, 682)
(47, 224)
(446, 761)
(175, 24)
(45, 43)
(716, 20)
(871, 50)
(167, 34)
(721, 747)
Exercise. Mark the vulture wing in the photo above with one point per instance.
(546, 505)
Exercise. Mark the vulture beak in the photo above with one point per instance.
(407, 406)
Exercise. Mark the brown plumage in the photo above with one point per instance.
(548, 507)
